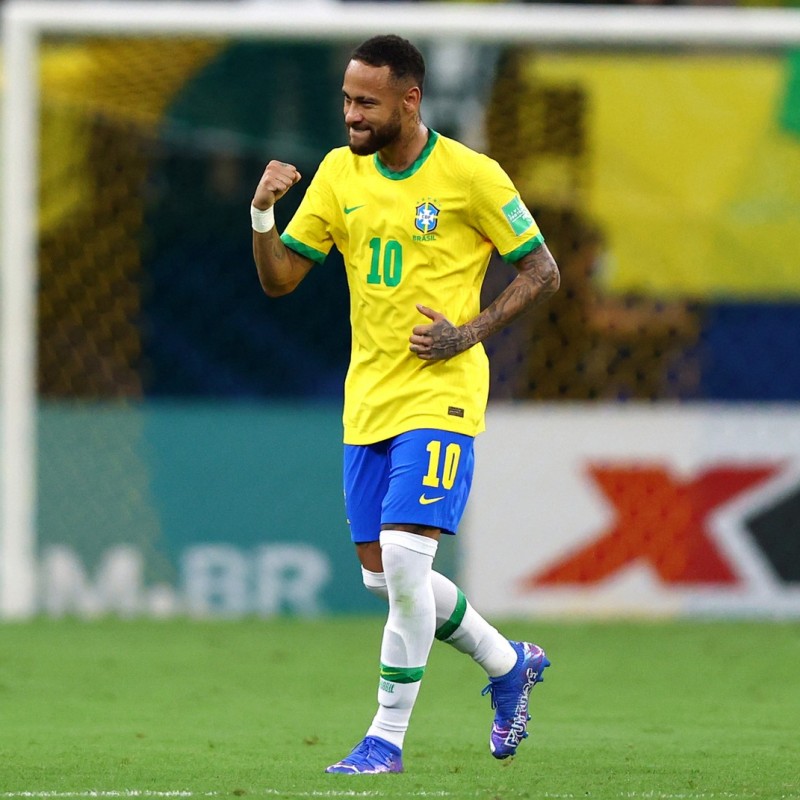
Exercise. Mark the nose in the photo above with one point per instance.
(352, 115)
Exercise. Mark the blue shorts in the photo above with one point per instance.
(421, 477)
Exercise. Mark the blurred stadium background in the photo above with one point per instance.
(643, 452)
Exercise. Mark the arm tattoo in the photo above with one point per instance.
(280, 270)
(537, 280)
(277, 246)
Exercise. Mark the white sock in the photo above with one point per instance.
(408, 633)
(461, 626)
(458, 623)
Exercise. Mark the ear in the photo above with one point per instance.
(412, 99)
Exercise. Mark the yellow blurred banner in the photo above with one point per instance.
(689, 173)
(100, 83)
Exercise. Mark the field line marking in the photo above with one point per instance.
(110, 794)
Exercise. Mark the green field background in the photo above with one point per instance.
(259, 708)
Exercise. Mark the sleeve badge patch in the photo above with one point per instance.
(518, 216)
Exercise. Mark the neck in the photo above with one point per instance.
(400, 155)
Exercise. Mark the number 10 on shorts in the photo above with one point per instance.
(442, 471)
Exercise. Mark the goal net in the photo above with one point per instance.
(658, 148)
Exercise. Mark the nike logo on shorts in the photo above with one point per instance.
(426, 501)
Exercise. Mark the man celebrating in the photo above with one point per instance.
(416, 217)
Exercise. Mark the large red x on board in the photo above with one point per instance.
(661, 520)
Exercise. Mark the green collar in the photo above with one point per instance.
(407, 173)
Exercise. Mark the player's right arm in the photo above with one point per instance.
(280, 269)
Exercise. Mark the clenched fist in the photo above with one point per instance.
(277, 179)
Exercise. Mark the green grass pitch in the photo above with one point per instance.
(650, 711)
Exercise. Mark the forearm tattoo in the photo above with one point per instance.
(277, 247)
(536, 281)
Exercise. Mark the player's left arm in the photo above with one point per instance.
(537, 279)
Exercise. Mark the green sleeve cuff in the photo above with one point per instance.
(303, 249)
(524, 249)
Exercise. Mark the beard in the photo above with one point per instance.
(378, 138)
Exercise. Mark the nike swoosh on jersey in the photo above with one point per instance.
(426, 501)
(353, 208)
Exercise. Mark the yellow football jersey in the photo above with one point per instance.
(425, 236)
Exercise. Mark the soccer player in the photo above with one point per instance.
(416, 216)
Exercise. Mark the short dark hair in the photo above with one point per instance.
(403, 58)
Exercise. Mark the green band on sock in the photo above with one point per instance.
(447, 629)
(402, 674)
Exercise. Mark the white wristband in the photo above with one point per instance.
(262, 221)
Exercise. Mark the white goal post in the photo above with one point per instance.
(24, 23)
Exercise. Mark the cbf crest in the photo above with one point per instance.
(426, 217)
